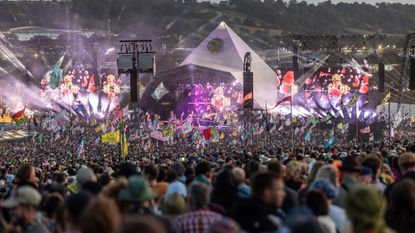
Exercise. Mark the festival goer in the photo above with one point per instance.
(199, 219)
(23, 204)
(375, 164)
(260, 212)
(365, 208)
(337, 214)
(400, 213)
(350, 170)
(318, 203)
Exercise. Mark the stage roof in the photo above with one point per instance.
(224, 50)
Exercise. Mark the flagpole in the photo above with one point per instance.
(291, 126)
(357, 125)
(389, 123)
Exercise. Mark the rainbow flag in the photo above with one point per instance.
(19, 117)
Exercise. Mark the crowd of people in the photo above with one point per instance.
(258, 185)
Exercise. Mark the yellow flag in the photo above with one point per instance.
(340, 126)
(124, 147)
(111, 137)
(98, 129)
(387, 98)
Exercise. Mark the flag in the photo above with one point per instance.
(111, 137)
(307, 137)
(123, 141)
(330, 141)
(353, 100)
(80, 149)
(207, 133)
(56, 75)
(365, 130)
(160, 92)
(286, 99)
(386, 99)
(215, 135)
(186, 127)
(340, 126)
(313, 120)
(19, 116)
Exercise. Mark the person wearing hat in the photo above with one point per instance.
(350, 171)
(138, 198)
(23, 204)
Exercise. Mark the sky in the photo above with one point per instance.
(352, 1)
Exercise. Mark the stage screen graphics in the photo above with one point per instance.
(80, 91)
(210, 100)
(332, 88)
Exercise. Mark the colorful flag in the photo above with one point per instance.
(286, 99)
(56, 75)
(187, 127)
(330, 141)
(111, 137)
(307, 137)
(160, 92)
(386, 99)
(80, 150)
(19, 116)
(207, 133)
(340, 126)
(123, 140)
(215, 135)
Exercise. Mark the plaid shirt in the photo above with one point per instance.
(196, 221)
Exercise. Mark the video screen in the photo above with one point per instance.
(205, 100)
(80, 91)
(336, 82)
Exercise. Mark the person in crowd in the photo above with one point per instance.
(260, 212)
(199, 218)
(375, 164)
(350, 170)
(225, 192)
(291, 199)
(337, 214)
(75, 205)
(329, 173)
(406, 164)
(23, 204)
(296, 175)
(400, 212)
(151, 173)
(203, 172)
(318, 203)
(365, 208)
(101, 215)
(148, 224)
(244, 190)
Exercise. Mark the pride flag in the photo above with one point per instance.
(19, 117)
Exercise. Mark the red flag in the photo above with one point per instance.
(207, 133)
(288, 98)
(18, 115)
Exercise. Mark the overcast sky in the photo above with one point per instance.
(367, 1)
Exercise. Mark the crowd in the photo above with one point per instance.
(262, 187)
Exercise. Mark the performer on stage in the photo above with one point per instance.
(337, 89)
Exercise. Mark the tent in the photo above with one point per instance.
(224, 50)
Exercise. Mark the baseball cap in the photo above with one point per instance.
(24, 195)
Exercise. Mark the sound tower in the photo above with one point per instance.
(248, 83)
(133, 82)
(248, 90)
(412, 74)
(295, 63)
(381, 83)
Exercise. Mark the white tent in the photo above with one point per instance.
(224, 50)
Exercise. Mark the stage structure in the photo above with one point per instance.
(134, 57)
